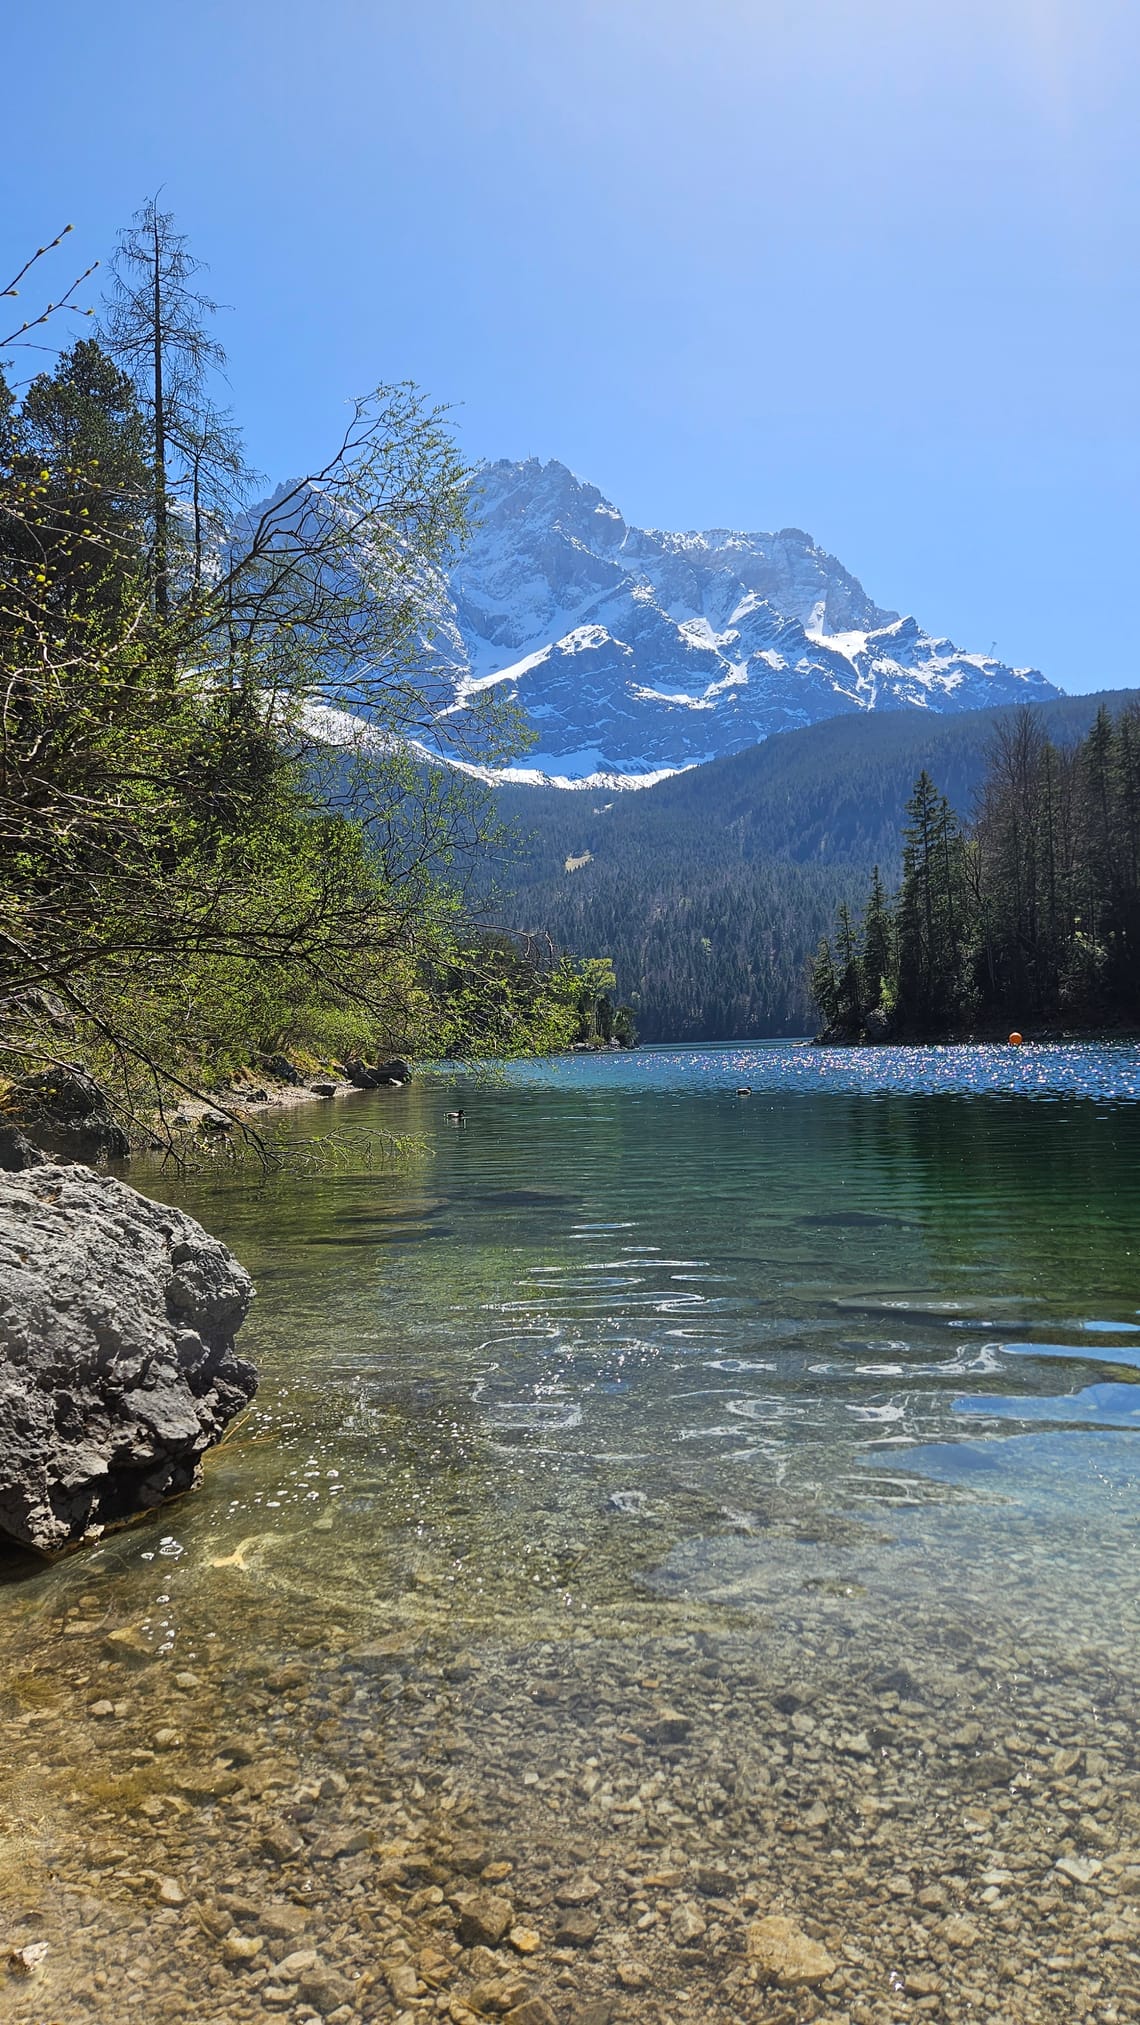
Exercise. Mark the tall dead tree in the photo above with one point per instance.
(157, 330)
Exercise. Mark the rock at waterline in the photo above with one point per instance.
(280, 1068)
(68, 1110)
(378, 1076)
(117, 1366)
(18, 1153)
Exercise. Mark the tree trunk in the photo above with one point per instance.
(161, 584)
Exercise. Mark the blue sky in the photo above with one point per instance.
(866, 267)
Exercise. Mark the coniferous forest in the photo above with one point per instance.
(710, 892)
(1026, 917)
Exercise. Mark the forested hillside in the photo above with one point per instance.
(710, 892)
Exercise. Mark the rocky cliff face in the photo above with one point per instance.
(635, 652)
(117, 1366)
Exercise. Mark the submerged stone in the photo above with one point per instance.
(483, 1918)
(533, 2011)
(577, 1929)
(783, 1952)
(324, 1989)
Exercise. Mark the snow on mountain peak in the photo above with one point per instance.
(636, 652)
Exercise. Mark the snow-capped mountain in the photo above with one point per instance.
(635, 653)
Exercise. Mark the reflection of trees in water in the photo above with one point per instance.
(1041, 1194)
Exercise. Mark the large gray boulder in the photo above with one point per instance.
(117, 1366)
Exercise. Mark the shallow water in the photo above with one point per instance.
(646, 1480)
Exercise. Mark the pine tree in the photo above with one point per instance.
(878, 946)
(825, 984)
(850, 975)
(79, 444)
(933, 915)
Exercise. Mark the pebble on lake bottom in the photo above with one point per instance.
(724, 1854)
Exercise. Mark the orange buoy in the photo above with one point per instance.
(1015, 1040)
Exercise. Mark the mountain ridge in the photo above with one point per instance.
(638, 652)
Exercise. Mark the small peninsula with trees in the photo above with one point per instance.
(1029, 916)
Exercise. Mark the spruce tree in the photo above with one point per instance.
(878, 945)
(933, 915)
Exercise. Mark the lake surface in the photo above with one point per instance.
(707, 1506)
